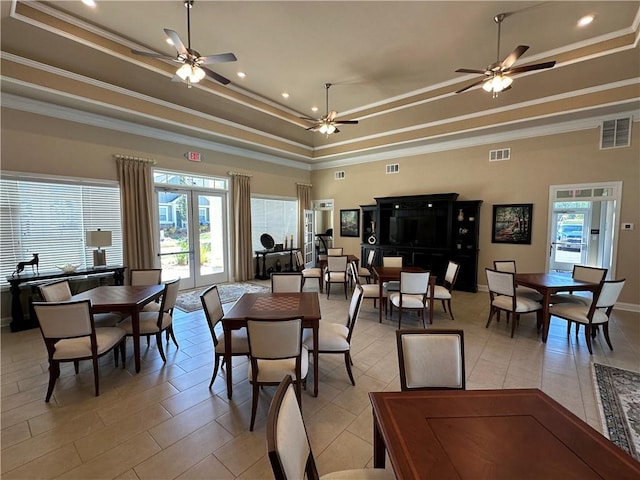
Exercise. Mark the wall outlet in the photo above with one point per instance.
(627, 226)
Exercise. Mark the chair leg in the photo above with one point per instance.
(254, 405)
(449, 306)
(216, 363)
(328, 289)
(96, 380)
(587, 336)
(424, 316)
(160, 349)
(515, 320)
(491, 313)
(54, 373)
(345, 289)
(123, 352)
(605, 330)
(347, 361)
(399, 315)
(320, 283)
(76, 366)
(173, 337)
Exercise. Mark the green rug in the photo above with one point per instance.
(229, 292)
(618, 397)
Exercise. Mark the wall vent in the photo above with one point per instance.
(616, 133)
(340, 175)
(499, 155)
(393, 168)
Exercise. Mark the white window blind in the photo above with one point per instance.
(277, 217)
(51, 218)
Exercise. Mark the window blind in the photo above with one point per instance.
(277, 217)
(51, 218)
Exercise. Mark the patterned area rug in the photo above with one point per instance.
(229, 292)
(618, 397)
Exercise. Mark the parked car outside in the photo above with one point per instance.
(570, 237)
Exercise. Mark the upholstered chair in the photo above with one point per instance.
(413, 295)
(288, 282)
(510, 266)
(336, 272)
(369, 290)
(144, 277)
(443, 292)
(308, 272)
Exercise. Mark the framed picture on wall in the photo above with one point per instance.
(512, 223)
(350, 223)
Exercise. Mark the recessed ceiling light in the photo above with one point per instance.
(285, 95)
(586, 20)
(89, 3)
(314, 109)
(242, 74)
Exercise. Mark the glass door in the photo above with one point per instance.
(569, 245)
(193, 233)
(307, 248)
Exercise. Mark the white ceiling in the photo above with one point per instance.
(392, 65)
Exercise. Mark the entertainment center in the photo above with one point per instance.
(426, 231)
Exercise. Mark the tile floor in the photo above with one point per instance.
(165, 423)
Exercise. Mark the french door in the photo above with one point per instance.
(193, 236)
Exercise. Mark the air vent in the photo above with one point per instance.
(340, 175)
(499, 155)
(393, 168)
(616, 133)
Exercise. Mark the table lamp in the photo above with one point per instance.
(99, 238)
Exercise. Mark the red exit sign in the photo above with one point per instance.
(193, 156)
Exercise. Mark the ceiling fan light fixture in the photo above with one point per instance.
(497, 83)
(193, 73)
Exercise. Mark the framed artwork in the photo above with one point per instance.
(350, 223)
(512, 223)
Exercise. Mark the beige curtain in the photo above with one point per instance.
(304, 203)
(136, 191)
(242, 226)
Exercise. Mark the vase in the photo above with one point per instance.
(460, 215)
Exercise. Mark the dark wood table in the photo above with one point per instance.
(272, 305)
(126, 299)
(548, 284)
(490, 434)
(389, 274)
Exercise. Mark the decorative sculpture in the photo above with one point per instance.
(33, 262)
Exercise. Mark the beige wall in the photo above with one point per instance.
(535, 164)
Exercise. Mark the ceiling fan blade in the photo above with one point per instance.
(153, 55)
(528, 68)
(513, 56)
(309, 119)
(219, 58)
(177, 43)
(345, 122)
(217, 77)
(471, 70)
(482, 80)
(336, 130)
(332, 115)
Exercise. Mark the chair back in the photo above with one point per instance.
(353, 270)
(589, 274)
(501, 283)
(414, 283)
(451, 275)
(354, 310)
(56, 292)
(65, 319)
(288, 444)
(286, 282)
(299, 259)
(169, 297)
(337, 264)
(431, 359)
(371, 256)
(273, 339)
(505, 266)
(392, 261)
(213, 311)
(609, 293)
(145, 276)
(334, 251)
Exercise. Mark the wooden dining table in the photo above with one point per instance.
(272, 305)
(127, 299)
(389, 274)
(490, 434)
(548, 284)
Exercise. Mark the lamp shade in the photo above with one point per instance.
(98, 238)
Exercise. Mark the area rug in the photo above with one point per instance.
(618, 397)
(229, 292)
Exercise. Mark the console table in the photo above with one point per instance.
(18, 322)
(261, 271)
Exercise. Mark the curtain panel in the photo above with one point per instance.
(243, 253)
(304, 203)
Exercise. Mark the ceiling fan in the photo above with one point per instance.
(497, 76)
(328, 123)
(192, 69)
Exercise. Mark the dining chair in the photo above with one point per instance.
(364, 271)
(431, 359)
(369, 290)
(286, 282)
(275, 350)
(336, 272)
(584, 274)
(595, 314)
(393, 285)
(413, 295)
(504, 297)
(143, 277)
(60, 291)
(214, 313)
(288, 445)
(335, 338)
(443, 292)
(70, 335)
(155, 323)
(510, 266)
(308, 272)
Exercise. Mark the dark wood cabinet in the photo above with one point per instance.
(426, 231)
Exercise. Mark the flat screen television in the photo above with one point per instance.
(427, 230)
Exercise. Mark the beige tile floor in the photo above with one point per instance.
(165, 423)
